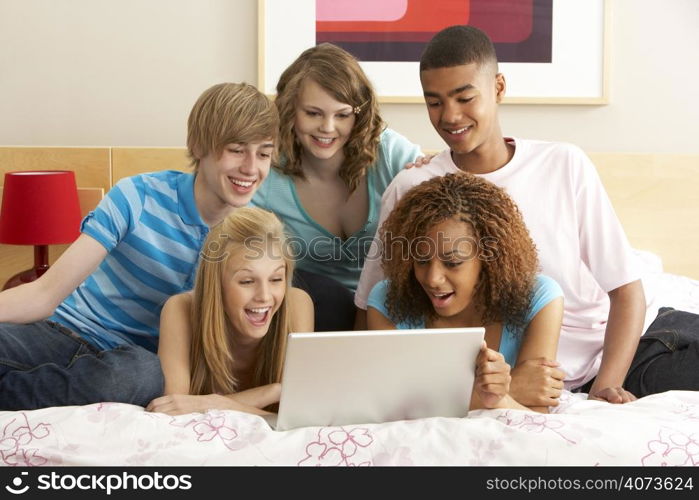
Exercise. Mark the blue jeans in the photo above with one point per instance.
(667, 357)
(45, 364)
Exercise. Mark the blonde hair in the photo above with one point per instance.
(339, 74)
(211, 357)
(229, 113)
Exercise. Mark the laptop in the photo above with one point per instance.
(359, 377)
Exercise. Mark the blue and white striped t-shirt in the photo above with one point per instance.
(153, 233)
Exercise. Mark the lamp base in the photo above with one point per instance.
(25, 277)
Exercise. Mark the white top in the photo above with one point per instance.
(579, 238)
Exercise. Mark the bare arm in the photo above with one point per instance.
(377, 321)
(360, 320)
(626, 314)
(37, 300)
(536, 380)
(301, 310)
(182, 404)
(175, 342)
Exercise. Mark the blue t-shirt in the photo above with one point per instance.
(153, 233)
(545, 290)
(316, 249)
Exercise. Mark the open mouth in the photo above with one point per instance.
(440, 299)
(258, 315)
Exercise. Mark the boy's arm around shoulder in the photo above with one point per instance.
(37, 300)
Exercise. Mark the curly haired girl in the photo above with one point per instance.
(456, 253)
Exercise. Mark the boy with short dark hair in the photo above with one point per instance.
(139, 246)
(580, 241)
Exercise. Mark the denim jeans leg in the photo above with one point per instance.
(44, 364)
(667, 357)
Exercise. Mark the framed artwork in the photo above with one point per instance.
(550, 51)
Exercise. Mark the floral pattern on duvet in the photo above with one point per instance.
(20, 441)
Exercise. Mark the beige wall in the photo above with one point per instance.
(126, 72)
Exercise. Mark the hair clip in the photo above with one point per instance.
(357, 109)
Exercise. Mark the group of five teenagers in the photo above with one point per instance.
(579, 239)
(87, 330)
(456, 253)
(336, 159)
(222, 345)
(141, 245)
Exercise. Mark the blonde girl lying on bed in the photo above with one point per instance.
(222, 345)
(456, 253)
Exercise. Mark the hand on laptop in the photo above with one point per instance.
(492, 382)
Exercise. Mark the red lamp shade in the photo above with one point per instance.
(39, 208)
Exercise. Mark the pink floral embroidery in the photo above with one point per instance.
(533, 423)
(336, 446)
(214, 426)
(349, 441)
(16, 435)
(219, 424)
(673, 448)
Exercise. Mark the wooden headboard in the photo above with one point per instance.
(655, 195)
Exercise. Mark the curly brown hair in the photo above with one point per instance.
(508, 255)
(339, 74)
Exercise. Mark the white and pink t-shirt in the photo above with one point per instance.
(579, 238)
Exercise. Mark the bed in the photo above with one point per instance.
(662, 429)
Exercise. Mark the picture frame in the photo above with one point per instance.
(577, 73)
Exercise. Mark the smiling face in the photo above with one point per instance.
(323, 125)
(231, 179)
(462, 104)
(254, 285)
(449, 271)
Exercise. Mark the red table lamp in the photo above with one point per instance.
(39, 208)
